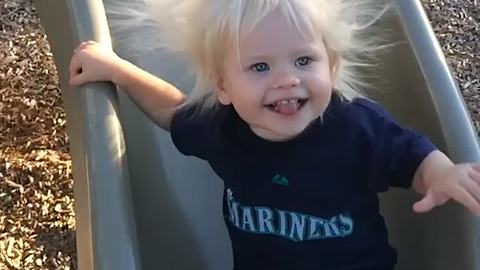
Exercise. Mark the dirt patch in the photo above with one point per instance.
(37, 222)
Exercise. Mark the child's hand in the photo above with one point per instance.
(459, 182)
(92, 62)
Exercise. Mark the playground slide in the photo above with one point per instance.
(141, 205)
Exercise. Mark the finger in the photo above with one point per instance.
(80, 46)
(86, 43)
(464, 197)
(472, 187)
(78, 79)
(426, 204)
(474, 174)
(75, 67)
(476, 167)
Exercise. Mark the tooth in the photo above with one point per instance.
(286, 101)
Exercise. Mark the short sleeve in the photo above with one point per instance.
(400, 150)
(194, 128)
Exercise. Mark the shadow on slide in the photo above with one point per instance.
(141, 205)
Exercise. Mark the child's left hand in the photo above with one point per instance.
(439, 180)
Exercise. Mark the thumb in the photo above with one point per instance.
(78, 80)
(426, 204)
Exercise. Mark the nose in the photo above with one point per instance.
(285, 79)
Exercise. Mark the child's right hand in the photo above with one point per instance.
(92, 62)
(157, 98)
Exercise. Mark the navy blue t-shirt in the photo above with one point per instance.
(309, 202)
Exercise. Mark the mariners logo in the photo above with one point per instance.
(291, 225)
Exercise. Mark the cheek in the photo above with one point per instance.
(245, 90)
(321, 79)
(327, 82)
(245, 97)
(326, 79)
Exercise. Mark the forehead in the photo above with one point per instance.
(276, 32)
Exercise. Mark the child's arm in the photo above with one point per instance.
(439, 180)
(157, 98)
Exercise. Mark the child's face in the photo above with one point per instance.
(283, 81)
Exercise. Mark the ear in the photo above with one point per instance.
(334, 63)
(221, 91)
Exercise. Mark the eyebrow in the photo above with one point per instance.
(307, 49)
(301, 50)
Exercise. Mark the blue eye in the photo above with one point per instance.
(303, 61)
(260, 67)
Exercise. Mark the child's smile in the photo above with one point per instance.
(279, 80)
(287, 106)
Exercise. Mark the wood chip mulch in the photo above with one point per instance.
(457, 26)
(37, 221)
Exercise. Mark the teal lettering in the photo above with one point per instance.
(291, 225)
(316, 225)
(264, 216)
(283, 223)
(346, 225)
(297, 228)
(247, 219)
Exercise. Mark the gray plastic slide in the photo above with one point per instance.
(141, 205)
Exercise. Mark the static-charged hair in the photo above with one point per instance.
(198, 30)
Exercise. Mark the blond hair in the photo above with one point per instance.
(198, 30)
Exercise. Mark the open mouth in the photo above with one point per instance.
(287, 106)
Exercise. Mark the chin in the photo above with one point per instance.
(281, 131)
(290, 133)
